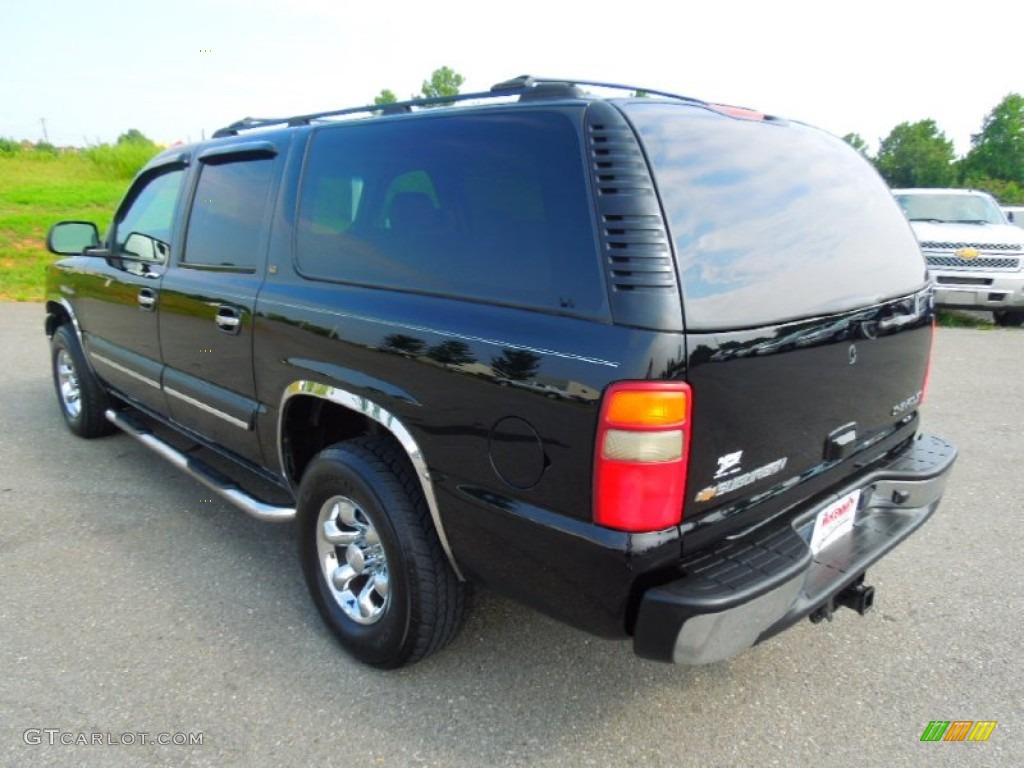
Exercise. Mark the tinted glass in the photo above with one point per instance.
(773, 221)
(228, 218)
(144, 228)
(491, 206)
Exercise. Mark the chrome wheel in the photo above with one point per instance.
(68, 387)
(352, 560)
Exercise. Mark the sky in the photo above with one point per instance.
(179, 70)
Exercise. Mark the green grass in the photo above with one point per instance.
(951, 318)
(38, 189)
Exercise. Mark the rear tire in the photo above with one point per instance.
(372, 560)
(83, 401)
(1008, 318)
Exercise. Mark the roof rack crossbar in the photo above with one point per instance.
(517, 85)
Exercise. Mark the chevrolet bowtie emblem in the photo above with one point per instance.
(967, 253)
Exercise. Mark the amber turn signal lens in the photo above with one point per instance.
(646, 408)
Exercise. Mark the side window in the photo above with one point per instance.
(492, 206)
(228, 217)
(143, 230)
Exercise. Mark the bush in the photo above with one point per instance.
(123, 160)
(1006, 192)
(9, 146)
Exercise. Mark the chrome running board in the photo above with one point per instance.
(202, 472)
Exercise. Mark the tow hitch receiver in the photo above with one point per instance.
(857, 596)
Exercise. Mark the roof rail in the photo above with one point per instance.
(524, 82)
(527, 87)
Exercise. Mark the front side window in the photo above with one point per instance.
(227, 221)
(491, 206)
(143, 230)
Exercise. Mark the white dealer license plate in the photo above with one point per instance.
(834, 521)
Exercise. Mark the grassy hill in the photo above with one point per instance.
(39, 188)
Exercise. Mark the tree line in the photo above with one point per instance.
(919, 154)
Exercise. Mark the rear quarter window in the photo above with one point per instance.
(488, 206)
(772, 221)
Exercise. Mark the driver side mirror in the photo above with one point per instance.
(71, 238)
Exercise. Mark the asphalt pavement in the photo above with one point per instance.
(135, 608)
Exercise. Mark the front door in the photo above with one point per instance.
(118, 301)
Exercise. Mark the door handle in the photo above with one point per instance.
(228, 319)
(147, 300)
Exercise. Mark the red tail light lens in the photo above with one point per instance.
(928, 367)
(642, 450)
(740, 112)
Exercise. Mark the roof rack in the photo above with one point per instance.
(528, 87)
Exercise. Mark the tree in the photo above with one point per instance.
(443, 82)
(998, 151)
(516, 364)
(386, 96)
(133, 136)
(916, 155)
(451, 353)
(856, 141)
(403, 344)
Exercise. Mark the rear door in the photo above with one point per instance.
(208, 296)
(807, 313)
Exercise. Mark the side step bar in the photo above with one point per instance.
(204, 473)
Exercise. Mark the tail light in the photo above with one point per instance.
(740, 112)
(928, 367)
(643, 443)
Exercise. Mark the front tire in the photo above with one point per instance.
(371, 558)
(82, 399)
(1008, 318)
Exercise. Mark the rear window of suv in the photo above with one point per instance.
(772, 221)
(487, 206)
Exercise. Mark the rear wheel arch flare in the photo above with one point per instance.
(384, 422)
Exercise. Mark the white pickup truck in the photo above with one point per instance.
(974, 255)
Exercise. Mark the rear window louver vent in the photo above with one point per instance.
(638, 254)
(635, 245)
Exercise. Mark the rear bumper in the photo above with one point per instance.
(746, 590)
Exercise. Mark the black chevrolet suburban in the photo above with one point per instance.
(648, 364)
